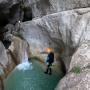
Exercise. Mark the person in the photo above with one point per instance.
(49, 61)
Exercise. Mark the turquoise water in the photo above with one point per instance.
(32, 79)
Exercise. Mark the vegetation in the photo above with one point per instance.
(76, 70)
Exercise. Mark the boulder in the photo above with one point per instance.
(3, 56)
(81, 57)
(73, 81)
(78, 76)
(6, 62)
(6, 65)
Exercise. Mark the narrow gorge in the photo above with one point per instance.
(28, 28)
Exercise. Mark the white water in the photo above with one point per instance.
(24, 57)
(25, 65)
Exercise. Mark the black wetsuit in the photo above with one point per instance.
(50, 60)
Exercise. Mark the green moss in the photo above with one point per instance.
(76, 70)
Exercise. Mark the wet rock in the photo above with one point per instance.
(3, 56)
(11, 63)
(6, 63)
(1, 85)
(19, 48)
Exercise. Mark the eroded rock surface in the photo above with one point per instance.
(74, 80)
(81, 57)
(66, 30)
(13, 10)
(6, 64)
(19, 48)
(3, 56)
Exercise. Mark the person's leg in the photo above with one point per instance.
(47, 69)
(50, 70)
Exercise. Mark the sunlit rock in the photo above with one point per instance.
(73, 81)
(38, 39)
(78, 76)
(81, 57)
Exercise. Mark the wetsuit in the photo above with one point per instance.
(50, 60)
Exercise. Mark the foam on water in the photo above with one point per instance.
(25, 66)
